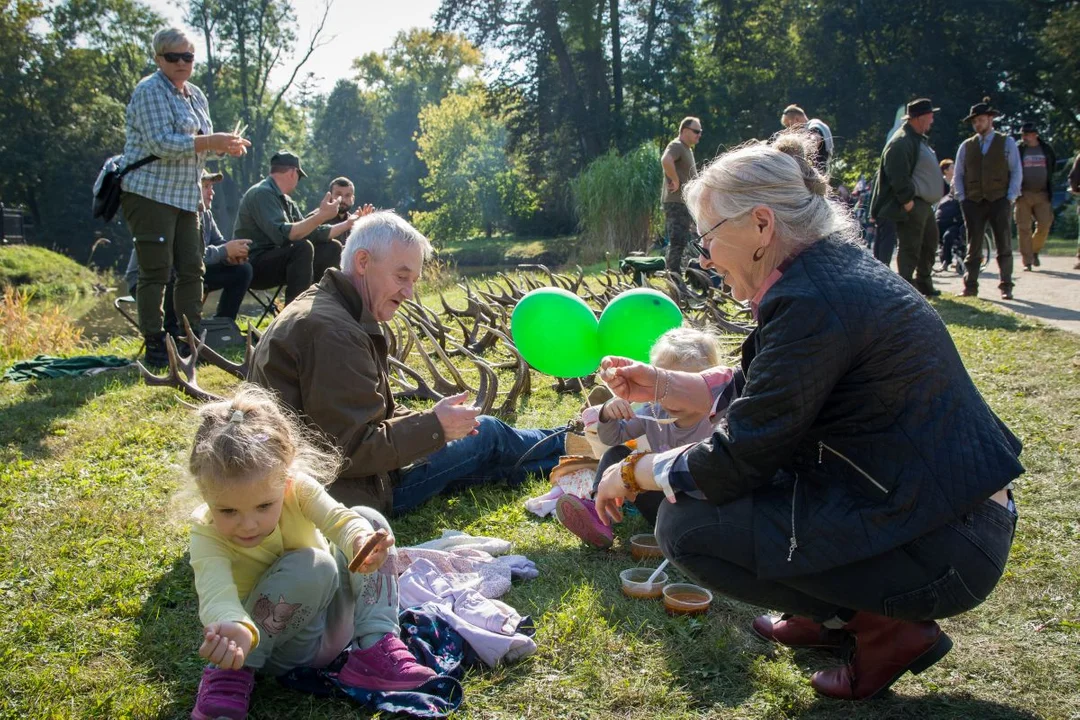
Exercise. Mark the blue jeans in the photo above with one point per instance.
(487, 457)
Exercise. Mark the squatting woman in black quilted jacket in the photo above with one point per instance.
(858, 482)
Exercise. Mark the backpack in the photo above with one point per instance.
(107, 185)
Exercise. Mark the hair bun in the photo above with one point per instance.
(802, 146)
(986, 99)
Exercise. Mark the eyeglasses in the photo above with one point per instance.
(696, 132)
(188, 57)
(696, 245)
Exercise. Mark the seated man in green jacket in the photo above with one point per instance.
(287, 248)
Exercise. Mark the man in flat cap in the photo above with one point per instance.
(987, 182)
(907, 186)
(286, 247)
(1037, 160)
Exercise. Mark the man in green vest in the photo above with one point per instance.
(907, 186)
(987, 183)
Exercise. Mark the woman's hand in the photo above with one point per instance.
(226, 644)
(227, 144)
(378, 556)
(611, 494)
(629, 379)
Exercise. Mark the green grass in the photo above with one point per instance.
(46, 274)
(98, 611)
(1060, 245)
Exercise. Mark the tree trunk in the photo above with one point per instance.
(616, 75)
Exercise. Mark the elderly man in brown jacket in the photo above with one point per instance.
(326, 356)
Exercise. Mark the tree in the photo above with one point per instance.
(472, 184)
(420, 68)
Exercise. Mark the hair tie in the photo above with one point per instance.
(237, 416)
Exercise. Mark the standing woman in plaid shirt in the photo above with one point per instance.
(169, 118)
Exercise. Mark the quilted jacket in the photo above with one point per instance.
(859, 428)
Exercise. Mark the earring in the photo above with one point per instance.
(759, 253)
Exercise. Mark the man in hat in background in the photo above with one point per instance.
(226, 266)
(907, 186)
(1036, 188)
(987, 182)
(288, 248)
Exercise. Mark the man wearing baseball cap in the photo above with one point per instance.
(907, 186)
(1038, 161)
(987, 182)
(288, 248)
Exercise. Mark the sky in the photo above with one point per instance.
(353, 28)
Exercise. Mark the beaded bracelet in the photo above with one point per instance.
(627, 472)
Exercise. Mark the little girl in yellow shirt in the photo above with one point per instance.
(270, 549)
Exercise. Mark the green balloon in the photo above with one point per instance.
(633, 321)
(555, 331)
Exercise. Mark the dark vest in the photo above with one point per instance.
(986, 177)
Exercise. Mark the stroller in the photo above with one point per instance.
(953, 234)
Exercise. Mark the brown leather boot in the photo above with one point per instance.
(798, 632)
(884, 650)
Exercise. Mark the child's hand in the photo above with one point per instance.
(378, 556)
(616, 409)
(226, 644)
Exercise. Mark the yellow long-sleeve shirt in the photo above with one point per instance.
(225, 573)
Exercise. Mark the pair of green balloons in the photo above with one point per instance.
(559, 335)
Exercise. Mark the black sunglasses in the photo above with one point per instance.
(696, 245)
(187, 57)
(696, 132)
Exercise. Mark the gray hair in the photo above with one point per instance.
(377, 232)
(170, 37)
(686, 349)
(779, 176)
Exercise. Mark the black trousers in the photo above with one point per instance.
(946, 572)
(296, 265)
(885, 240)
(998, 215)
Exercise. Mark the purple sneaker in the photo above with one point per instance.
(386, 665)
(223, 694)
(580, 517)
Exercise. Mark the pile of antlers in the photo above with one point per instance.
(434, 354)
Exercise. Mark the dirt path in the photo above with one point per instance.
(1050, 292)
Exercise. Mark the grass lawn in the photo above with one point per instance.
(98, 610)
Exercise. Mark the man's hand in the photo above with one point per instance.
(457, 419)
(226, 644)
(616, 409)
(378, 556)
(236, 251)
(908, 205)
(673, 184)
(328, 208)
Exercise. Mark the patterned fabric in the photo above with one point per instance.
(434, 643)
(163, 121)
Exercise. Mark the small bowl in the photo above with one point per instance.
(686, 599)
(635, 583)
(644, 546)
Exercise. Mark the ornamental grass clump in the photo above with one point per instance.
(26, 331)
(617, 198)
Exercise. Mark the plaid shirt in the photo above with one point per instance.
(163, 121)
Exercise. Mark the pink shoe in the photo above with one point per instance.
(223, 694)
(580, 517)
(386, 665)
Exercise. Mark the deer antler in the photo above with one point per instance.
(187, 384)
(211, 356)
(420, 390)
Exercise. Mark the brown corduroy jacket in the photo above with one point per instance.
(326, 356)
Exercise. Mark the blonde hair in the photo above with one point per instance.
(779, 176)
(254, 436)
(686, 349)
(170, 37)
